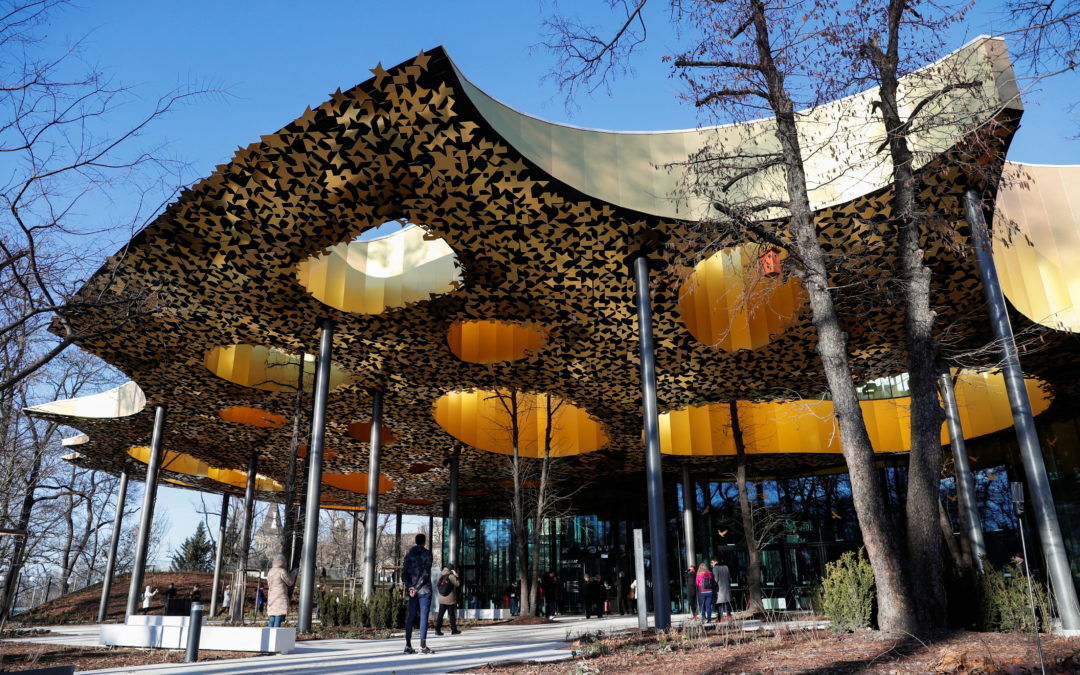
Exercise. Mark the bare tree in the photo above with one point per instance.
(59, 135)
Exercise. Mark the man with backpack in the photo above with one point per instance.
(448, 590)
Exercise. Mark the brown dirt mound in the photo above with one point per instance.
(82, 605)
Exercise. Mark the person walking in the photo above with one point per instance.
(691, 590)
(260, 599)
(705, 587)
(625, 596)
(278, 582)
(447, 587)
(196, 594)
(593, 601)
(513, 591)
(549, 585)
(416, 575)
(722, 581)
(226, 598)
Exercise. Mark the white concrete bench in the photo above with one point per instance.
(171, 632)
(498, 613)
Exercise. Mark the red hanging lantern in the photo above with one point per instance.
(770, 262)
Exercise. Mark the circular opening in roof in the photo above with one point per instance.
(369, 276)
(252, 417)
(361, 431)
(483, 420)
(489, 341)
(356, 482)
(738, 299)
(268, 368)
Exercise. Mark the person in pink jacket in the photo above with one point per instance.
(705, 589)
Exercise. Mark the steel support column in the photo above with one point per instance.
(314, 476)
(146, 518)
(653, 474)
(219, 553)
(397, 541)
(1042, 500)
(689, 506)
(431, 532)
(965, 482)
(114, 544)
(371, 516)
(240, 576)
(452, 526)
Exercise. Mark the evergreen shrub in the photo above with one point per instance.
(1004, 602)
(847, 592)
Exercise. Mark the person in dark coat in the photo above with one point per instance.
(549, 585)
(416, 576)
(722, 582)
(624, 594)
(513, 591)
(691, 589)
(594, 591)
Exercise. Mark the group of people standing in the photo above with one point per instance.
(707, 585)
(416, 578)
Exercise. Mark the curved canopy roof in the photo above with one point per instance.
(540, 220)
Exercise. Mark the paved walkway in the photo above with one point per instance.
(473, 648)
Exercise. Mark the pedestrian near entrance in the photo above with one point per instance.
(147, 596)
(705, 587)
(226, 597)
(691, 590)
(416, 575)
(447, 588)
(594, 602)
(722, 581)
(513, 591)
(278, 581)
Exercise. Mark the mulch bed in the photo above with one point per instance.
(807, 652)
(528, 621)
(15, 656)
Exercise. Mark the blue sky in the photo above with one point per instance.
(275, 58)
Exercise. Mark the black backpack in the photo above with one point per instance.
(444, 586)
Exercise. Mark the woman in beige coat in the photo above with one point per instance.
(277, 601)
(448, 581)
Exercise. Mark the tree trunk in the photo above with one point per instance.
(517, 507)
(19, 552)
(753, 550)
(895, 611)
(924, 460)
(950, 539)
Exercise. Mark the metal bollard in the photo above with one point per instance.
(194, 629)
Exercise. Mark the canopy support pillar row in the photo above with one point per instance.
(965, 482)
(114, 543)
(314, 476)
(219, 553)
(142, 543)
(1042, 501)
(455, 458)
(653, 474)
(371, 517)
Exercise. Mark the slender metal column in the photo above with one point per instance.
(431, 532)
(240, 577)
(219, 553)
(965, 482)
(146, 518)
(114, 543)
(314, 477)
(453, 524)
(1042, 501)
(653, 475)
(689, 506)
(397, 541)
(371, 517)
(355, 538)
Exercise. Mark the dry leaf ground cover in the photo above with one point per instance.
(696, 652)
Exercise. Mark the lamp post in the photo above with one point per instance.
(1016, 490)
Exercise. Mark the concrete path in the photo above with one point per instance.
(473, 648)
